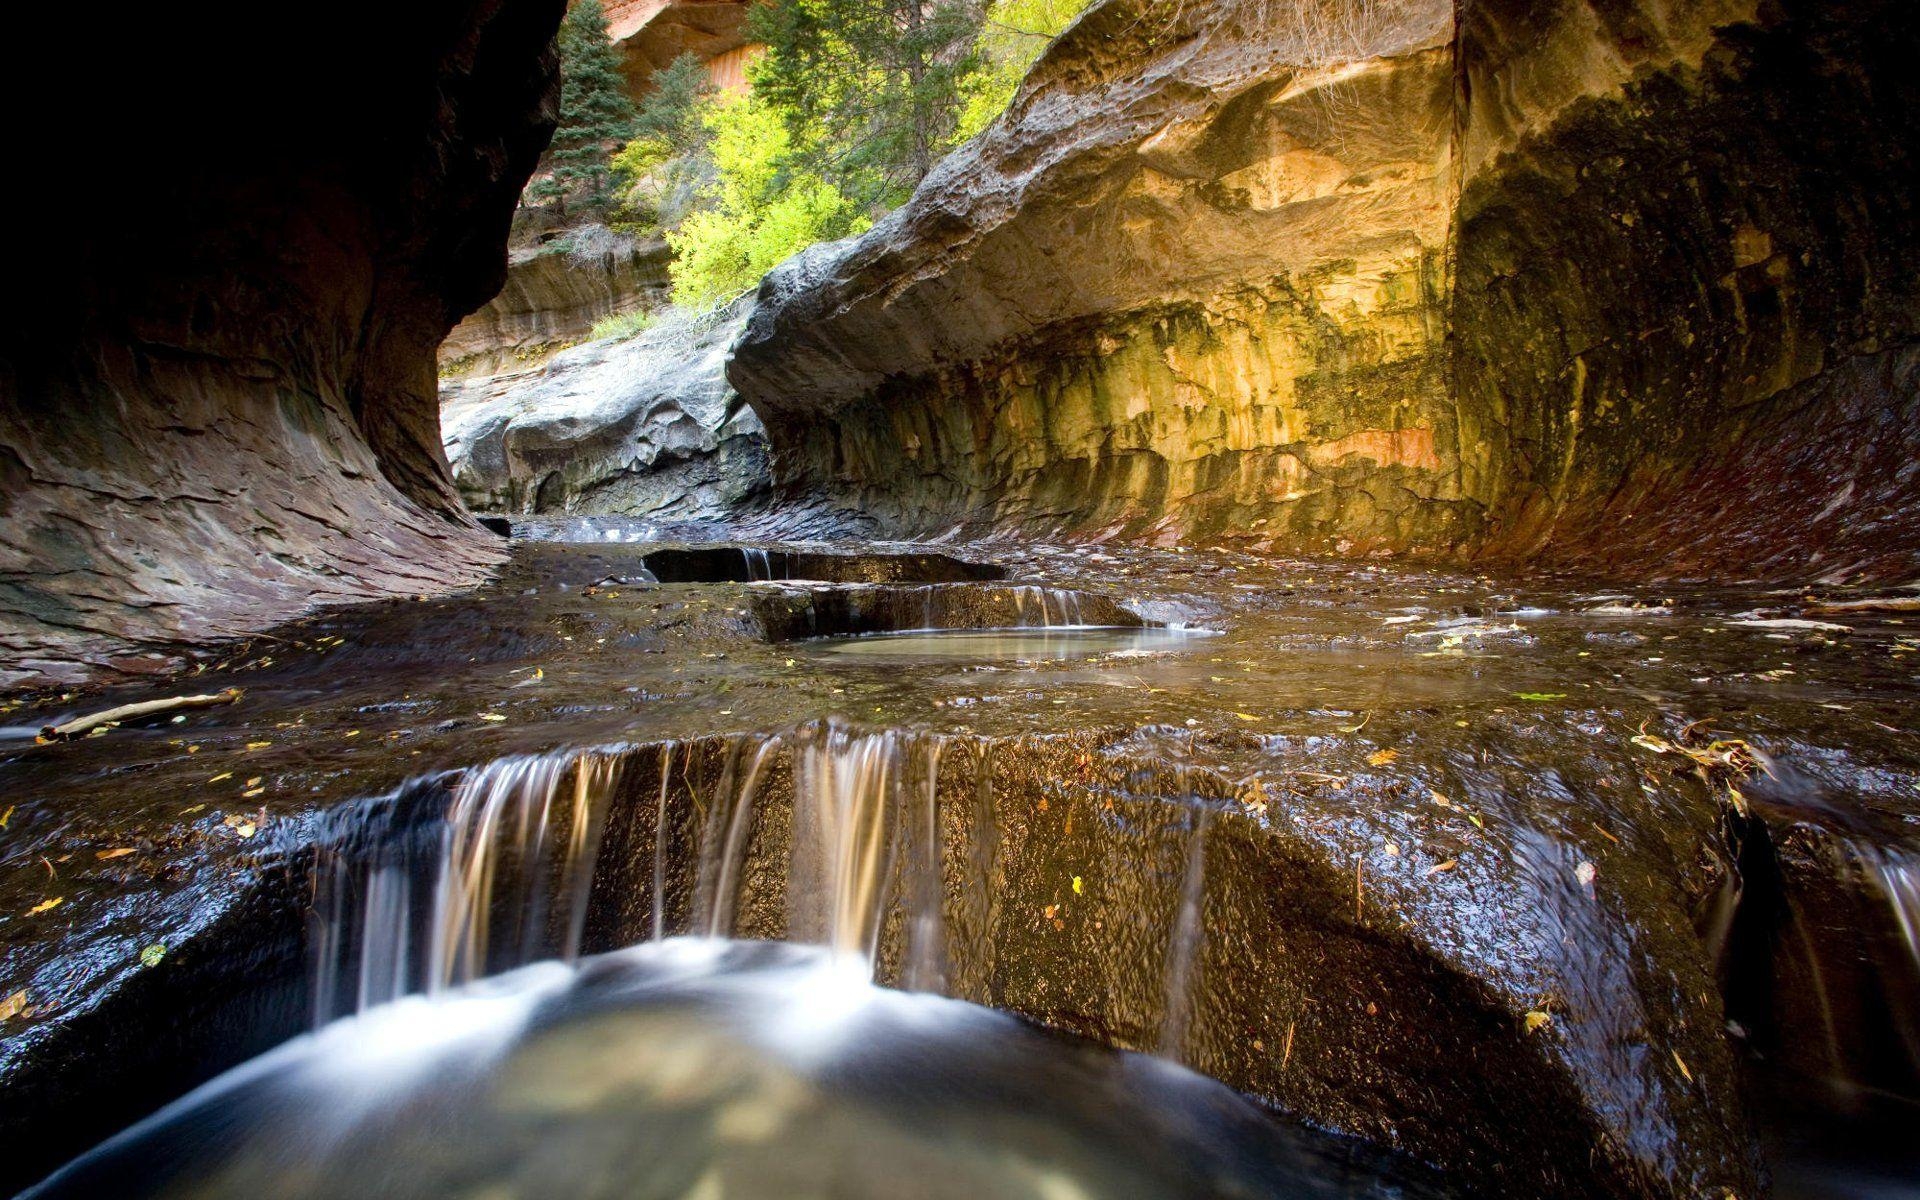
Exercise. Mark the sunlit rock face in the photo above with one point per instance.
(219, 409)
(1479, 282)
(652, 33)
(551, 300)
(645, 426)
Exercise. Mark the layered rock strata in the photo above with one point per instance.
(1513, 281)
(551, 301)
(220, 409)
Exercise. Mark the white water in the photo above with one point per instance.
(699, 1069)
(510, 879)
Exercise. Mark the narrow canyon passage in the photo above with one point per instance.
(1312, 600)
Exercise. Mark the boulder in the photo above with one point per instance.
(640, 426)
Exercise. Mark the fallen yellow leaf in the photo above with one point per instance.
(1448, 865)
(117, 852)
(7, 815)
(13, 1006)
(1682, 1064)
(1246, 716)
(1538, 1020)
(45, 905)
(222, 775)
(256, 781)
(1079, 887)
(250, 793)
(258, 745)
(1380, 758)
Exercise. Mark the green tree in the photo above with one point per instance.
(671, 115)
(1016, 33)
(871, 90)
(596, 115)
(766, 206)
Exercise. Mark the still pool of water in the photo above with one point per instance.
(703, 1069)
(1055, 643)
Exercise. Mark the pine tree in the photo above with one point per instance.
(872, 90)
(596, 115)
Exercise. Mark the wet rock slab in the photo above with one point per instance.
(1391, 832)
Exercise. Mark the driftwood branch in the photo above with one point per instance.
(81, 726)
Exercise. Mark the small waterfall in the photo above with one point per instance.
(1184, 947)
(1896, 876)
(866, 833)
(1036, 607)
(409, 916)
(506, 877)
(759, 564)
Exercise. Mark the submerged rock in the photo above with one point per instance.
(1499, 279)
(640, 426)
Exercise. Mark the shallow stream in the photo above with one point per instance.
(1559, 886)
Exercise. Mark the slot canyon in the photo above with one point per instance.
(1324, 603)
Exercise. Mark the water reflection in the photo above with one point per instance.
(698, 1068)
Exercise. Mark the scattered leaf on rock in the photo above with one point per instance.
(224, 775)
(1682, 1064)
(13, 1006)
(491, 717)
(1540, 695)
(1380, 758)
(1538, 1020)
(116, 852)
(1448, 865)
(151, 956)
(258, 745)
(1585, 873)
(1079, 886)
(45, 905)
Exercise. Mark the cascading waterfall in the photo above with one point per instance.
(865, 819)
(1038, 607)
(1896, 876)
(1184, 947)
(496, 857)
(509, 879)
(759, 565)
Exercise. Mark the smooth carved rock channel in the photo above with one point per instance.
(1449, 866)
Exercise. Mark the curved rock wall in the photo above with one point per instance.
(220, 409)
(1688, 284)
(1466, 279)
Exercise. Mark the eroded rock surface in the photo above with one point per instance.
(1409, 854)
(1510, 281)
(643, 426)
(218, 409)
(551, 300)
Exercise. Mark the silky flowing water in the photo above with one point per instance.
(1233, 835)
(697, 1068)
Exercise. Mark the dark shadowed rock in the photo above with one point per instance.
(646, 425)
(218, 409)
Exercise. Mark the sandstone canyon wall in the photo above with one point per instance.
(217, 401)
(551, 300)
(1575, 281)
